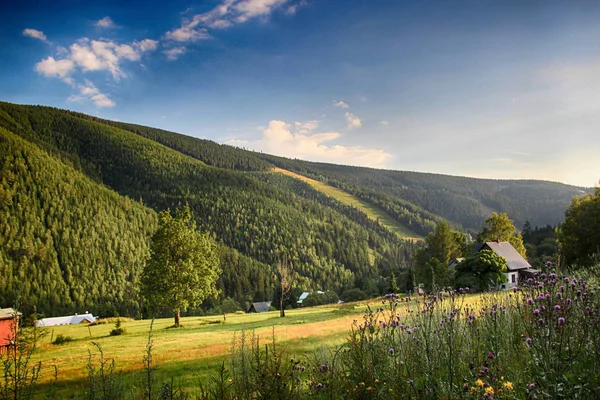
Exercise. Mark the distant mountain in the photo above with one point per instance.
(79, 196)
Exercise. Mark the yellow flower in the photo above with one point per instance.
(474, 389)
(369, 389)
(390, 390)
(508, 385)
(479, 383)
(489, 390)
(376, 380)
(361, 384)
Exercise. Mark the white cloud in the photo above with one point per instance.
(174, 53)
(248, 9)
(90, 92)
(187, 33)
(55, 68)
(34, 33)
(279, 139)
(384, 122)
(353, 121)
(106, 22)
(341, 104)
(146, 45)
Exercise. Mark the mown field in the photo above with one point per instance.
(346, 198)
(190, 353)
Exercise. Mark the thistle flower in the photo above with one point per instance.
(561, 321)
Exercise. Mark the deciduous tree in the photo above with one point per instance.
(481, 271)
(183, 265)
(501, 228)
(579, 235)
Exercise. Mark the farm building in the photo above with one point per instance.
(517, 266)
(8, 316)
(86, 318)
(259, 307)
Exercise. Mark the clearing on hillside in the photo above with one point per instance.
(372, 211)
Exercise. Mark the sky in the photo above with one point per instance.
(482, 88)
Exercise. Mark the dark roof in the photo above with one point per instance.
(514, 260)
(261, 306)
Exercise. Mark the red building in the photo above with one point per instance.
(8, 316)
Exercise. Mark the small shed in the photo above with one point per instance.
(262, 306)
(76, 319)
(303, 296)
(8, 318)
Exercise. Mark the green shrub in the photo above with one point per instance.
(353, 295)
(62, 339)
(119, 330)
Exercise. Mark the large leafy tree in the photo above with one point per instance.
(481, 271)
(579, 235)
(431, 261)
(501, 228)
(183, 265)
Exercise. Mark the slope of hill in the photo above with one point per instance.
(374, 213)
(259, 217)
(264, 218)
(417, 200)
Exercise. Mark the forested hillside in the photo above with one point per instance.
(263, 216)
(79, 195)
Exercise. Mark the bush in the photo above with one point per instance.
(118, 329)
(62, 339)
(229, 305)
(353, 295)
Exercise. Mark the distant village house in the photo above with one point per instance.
(76, 319)
(259, 307)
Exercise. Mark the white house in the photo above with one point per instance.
(517, 266)
(86, 318)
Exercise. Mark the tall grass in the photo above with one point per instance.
(540, 341)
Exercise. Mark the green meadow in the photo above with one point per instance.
(191, 353)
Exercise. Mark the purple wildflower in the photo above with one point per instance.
(561, 321)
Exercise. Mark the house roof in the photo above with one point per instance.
(68, 320)
(303, 296)
(8, 313)
(261, 306)
(514, 260)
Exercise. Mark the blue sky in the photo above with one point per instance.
(499, 89)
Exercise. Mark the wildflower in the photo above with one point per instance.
(531, 385)
(319, 385)
(391, 351)
(376, 380)
(557, 308)
(508, 385)
(529, 301)
(491, 355)
(541, 321)
(369, 388)
(474, 389)
(479, 383)
(536, 311)
(361, 384)
(529, 340)
(390, 390)
(561, 321)
(566, 279)
(489, 390)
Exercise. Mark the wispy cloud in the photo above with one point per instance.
(224, 15)
(353, 121)
(34, 33)
(174, 53)
(90, 92)
(341, 104)
(384, 122)
(106, 22)
(296, 142)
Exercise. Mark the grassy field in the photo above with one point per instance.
(193, 352)
(372, 212)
